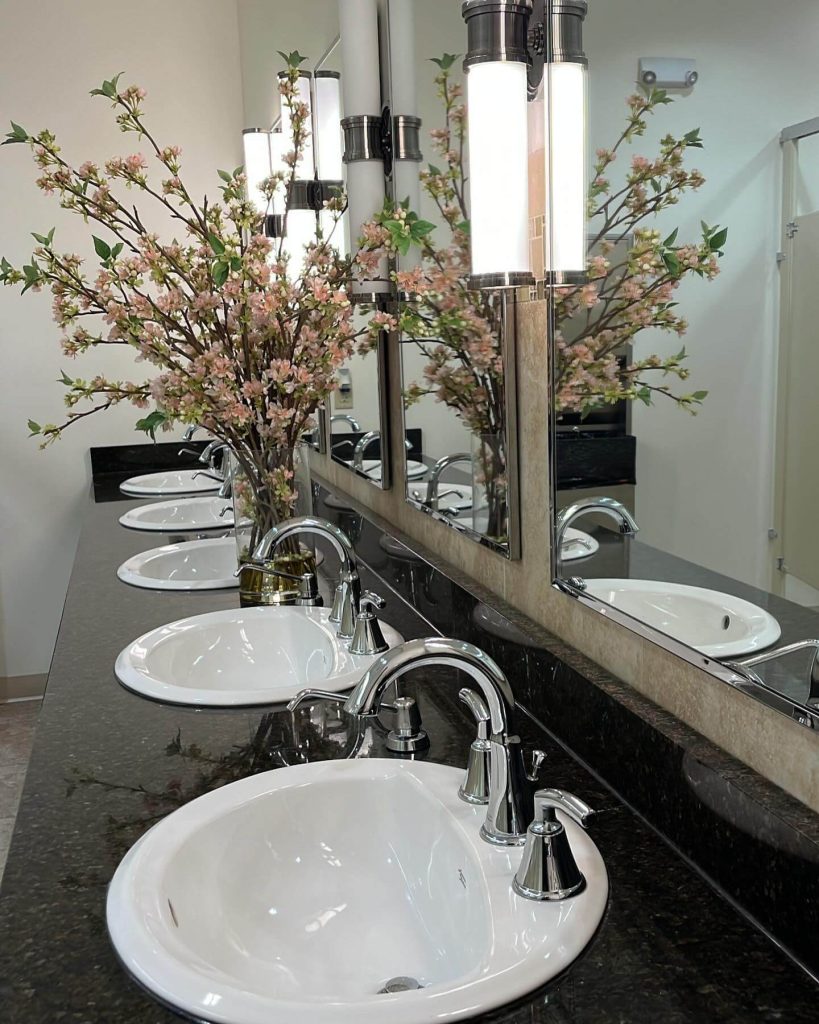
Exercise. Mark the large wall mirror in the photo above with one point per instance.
(341, 75)
(685, 365)
(455, 342)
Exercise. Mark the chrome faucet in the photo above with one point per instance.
(344, 417)
(607, 506)
(433, 496)
(363, 444)
(347, 601)
(509, 809)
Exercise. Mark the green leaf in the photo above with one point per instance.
(151, 422)
(216, 243)
(421, 228)
(699, 396)
(436, 171)
(464, 226)
(718, 240)
(17, 134)
(644, 395)
(101, 248)
(65, 379)
(672, 238)
(292, 60)
(220, 273)
(672, 263)
(32, 275)
(116, 250)
(235, 263)
(445, 62)
(34, 428)
(42, 239)
(225, 176)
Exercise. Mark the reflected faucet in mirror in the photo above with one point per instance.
(345, 417)
(607, 506)
(433, 487)
(745, 666)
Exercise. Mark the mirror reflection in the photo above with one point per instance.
(454, 385)
(685, 363)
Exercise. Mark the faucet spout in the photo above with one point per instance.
(607, 506)
(508, 811)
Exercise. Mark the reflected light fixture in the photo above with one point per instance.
(521, 50)
(258, 167)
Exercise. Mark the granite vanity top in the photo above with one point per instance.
(107, 764)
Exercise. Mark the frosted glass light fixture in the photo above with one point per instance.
(565, 109)
(258, 168)
(496, 67)
(329, 148)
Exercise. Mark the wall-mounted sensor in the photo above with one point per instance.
(668, 72)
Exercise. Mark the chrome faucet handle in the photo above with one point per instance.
(225, 510)
(538, 757)
(406, 735)
(309, 596)
(188, 451)
(347, 604)
(367, 636)
(475, 787)
(548, 870)
(304, 695)
(211, 475)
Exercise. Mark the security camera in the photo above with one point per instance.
(649, 77)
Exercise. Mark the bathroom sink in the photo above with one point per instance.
(242, 656)
(718, 625)
(180, 481)
(180, 514)
(300, 895)
(192, 565)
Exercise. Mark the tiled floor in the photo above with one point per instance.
(17, 721)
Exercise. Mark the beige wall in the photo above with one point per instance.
(779, 749)
(186, 54)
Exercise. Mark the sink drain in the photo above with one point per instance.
(400, 984)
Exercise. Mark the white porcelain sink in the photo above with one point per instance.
(577, 544)
(717, 625)
(194, 565)
(180, 514)
(294, 896)
(178, 481)
(243, 656)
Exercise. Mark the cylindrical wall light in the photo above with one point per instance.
(496, 64)
(327, 85)
(565, 84)
(258, 168)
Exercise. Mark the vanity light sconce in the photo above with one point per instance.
(521, 50)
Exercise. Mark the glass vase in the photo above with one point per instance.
(268, 489)
(490, 501)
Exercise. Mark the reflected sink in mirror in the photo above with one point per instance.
(243, 656)
(717, 625)
(181, 514)
(372, 469)
(179, 481)
(330, 883)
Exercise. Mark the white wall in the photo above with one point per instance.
(186, 54)
(704, 486)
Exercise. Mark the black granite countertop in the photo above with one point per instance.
(107, 764)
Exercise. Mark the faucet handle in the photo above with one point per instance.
(479, 710)
(367, 636)
(475, 787)
(315, 695)
(538, 757)
(548, 870)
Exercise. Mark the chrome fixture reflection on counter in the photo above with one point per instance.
(548, 870)
(509, 808)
